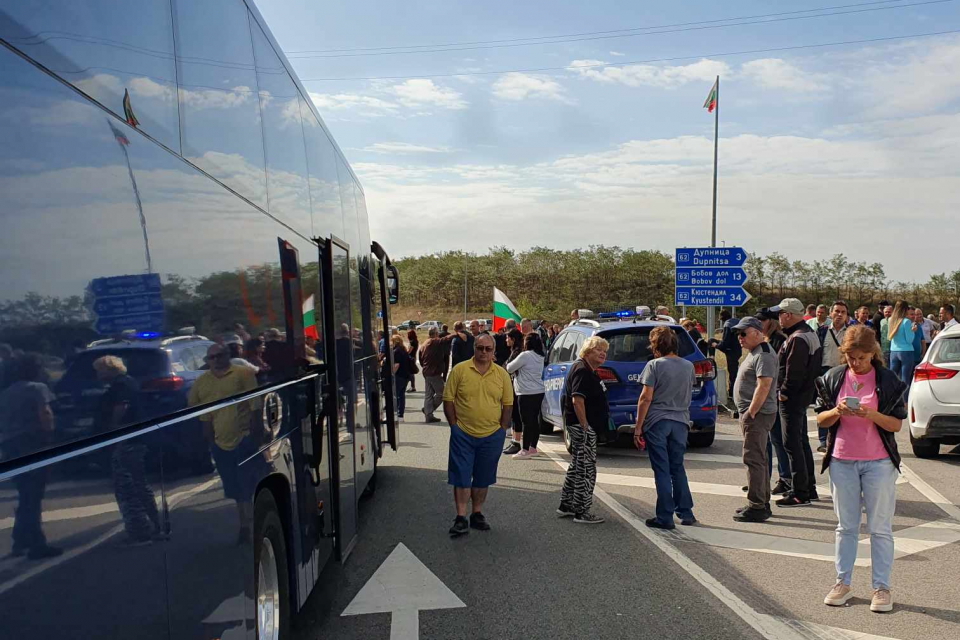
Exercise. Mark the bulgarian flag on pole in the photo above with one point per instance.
(309, 319)
(711, 102)
(503, 310)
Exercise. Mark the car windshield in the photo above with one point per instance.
(140, 364)
(633, 345)
(946, 351)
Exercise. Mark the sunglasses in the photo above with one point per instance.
(218, 356)
(741, 334)
(483, 348)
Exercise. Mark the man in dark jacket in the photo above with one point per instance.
(731, 349)
(433, 364)
(878, 318)
(501, 351)
(800, 358)
(461, 349)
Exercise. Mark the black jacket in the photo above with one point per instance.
(728, 340)
(890, 390)
(800, 359)
(461, 349)
(776, 339)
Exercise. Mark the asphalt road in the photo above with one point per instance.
(536, 576)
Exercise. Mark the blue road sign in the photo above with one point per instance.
(127, 303)
(711, 257)
(711, 277)
(710, 296)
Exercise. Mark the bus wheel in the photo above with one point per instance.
(270, 567)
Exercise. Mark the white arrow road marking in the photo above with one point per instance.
(402, 586)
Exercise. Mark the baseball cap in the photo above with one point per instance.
(789, 305)
(748, 323)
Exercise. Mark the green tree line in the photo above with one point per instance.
(548, 283)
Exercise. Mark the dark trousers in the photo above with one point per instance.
(776, 444)
(756, 440)
(138, 507)
(733, 364)
(27, 529)
(400, 384)
(530, 417)
(794, 423)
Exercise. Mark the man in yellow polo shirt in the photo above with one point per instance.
(478, 402)
(229, 429)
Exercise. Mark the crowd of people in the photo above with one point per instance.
(854, 368)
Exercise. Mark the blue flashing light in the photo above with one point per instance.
(626, 313)
(147, 335)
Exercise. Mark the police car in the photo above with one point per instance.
(628, 333)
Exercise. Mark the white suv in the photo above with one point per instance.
(934, 405)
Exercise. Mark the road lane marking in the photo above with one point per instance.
(907, 541)
(769, 627)
(829, 633)
(402, 586)
(929, 492)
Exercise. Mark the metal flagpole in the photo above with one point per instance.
(713, 232)
(123, 141)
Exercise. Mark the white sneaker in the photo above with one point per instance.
(399, 419)
(523, 455)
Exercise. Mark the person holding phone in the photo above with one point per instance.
(862, 405)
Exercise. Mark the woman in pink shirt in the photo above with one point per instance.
(862, 404)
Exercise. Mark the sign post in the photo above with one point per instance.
(710, 277)
(127, 303)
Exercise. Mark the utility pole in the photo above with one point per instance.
(465, 287)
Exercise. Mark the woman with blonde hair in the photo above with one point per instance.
(585, 411)
(862, 403)
(663, 419)
(900, 330)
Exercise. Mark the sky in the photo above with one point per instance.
(843, 149)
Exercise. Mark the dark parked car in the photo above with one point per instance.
(164, 368)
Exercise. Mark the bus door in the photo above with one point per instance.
(388, 282)
(341, 399)
(313, 491)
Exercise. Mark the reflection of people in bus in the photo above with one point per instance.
(229, 429)
(26, 426)
(118, 408)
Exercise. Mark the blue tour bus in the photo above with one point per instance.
(190, 390)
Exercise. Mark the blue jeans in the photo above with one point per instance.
(400, 385)
(776, 442)
(902, 364)
(871, 483)
(666, 442)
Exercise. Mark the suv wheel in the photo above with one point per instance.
(546, 427)
(925, 447)
(701, 439)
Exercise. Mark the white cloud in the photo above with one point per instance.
(635, 75)
(616, 53)
(918, 78)
(420, 93)
(521, 86)
(354, 102)
(858, 184)
(774, 73)
(402, 148)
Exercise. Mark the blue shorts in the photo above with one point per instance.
(473, 461)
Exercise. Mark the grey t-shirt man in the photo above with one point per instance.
(672, 380)
(761, 362)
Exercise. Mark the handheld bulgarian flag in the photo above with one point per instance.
(309, 319)
(503, 310)
(711, 102)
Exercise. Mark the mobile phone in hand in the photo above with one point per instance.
(852, 403)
